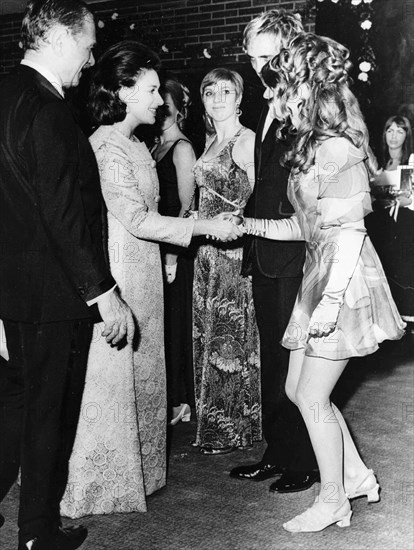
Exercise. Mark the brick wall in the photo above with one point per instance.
(187, 33)
(10, 54)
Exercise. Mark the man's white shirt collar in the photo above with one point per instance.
(267, 124)
(50, 77)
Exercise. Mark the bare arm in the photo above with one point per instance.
(184, 159)
(243, 154)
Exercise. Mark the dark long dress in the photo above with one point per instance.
(177, 296)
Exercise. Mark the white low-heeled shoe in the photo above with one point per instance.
(368, 487)
(184, 415)
(314, 519)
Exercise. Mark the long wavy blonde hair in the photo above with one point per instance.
(331, 110)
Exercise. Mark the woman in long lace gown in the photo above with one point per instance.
(344, 306)
(226, 345)
(119, 456)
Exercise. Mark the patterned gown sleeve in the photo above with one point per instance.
(120, 188)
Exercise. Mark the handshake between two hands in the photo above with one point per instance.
(116, 314)
(228, 226)
(224, 227)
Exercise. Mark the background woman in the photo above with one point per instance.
(344, 307)
(397, 144)
(175, 159)
(226, 360)
(391, 226)
(119, 454)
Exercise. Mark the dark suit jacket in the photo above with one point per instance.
(51, 209)
(269, 201)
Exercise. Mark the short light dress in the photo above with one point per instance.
(336, 191)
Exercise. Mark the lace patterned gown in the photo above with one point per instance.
(119, 455)
(336, 192)
(226, 343)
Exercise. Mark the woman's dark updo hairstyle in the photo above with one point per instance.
(121, 65)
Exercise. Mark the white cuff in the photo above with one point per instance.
(96, 300)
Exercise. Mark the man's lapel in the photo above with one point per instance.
(267, 145)
(258, 141)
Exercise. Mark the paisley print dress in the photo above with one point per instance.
(226, 342)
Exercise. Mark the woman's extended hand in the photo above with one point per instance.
(224, 230)
(400, 201)
(221, 227)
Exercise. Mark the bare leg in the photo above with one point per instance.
(351, 475)
(309, 387)
(317, 379)
(355, 471)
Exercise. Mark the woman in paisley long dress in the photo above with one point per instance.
(344, 307)
(226, 354)
(119, 456)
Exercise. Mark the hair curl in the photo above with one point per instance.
(331, 110)
(407, 147)
(121, 65)
(42, 15)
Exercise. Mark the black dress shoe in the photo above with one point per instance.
(68, 538)
(256, 472)
(293, 482)
(1, 520)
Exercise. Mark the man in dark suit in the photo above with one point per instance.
(276, 270)
(54, 278)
